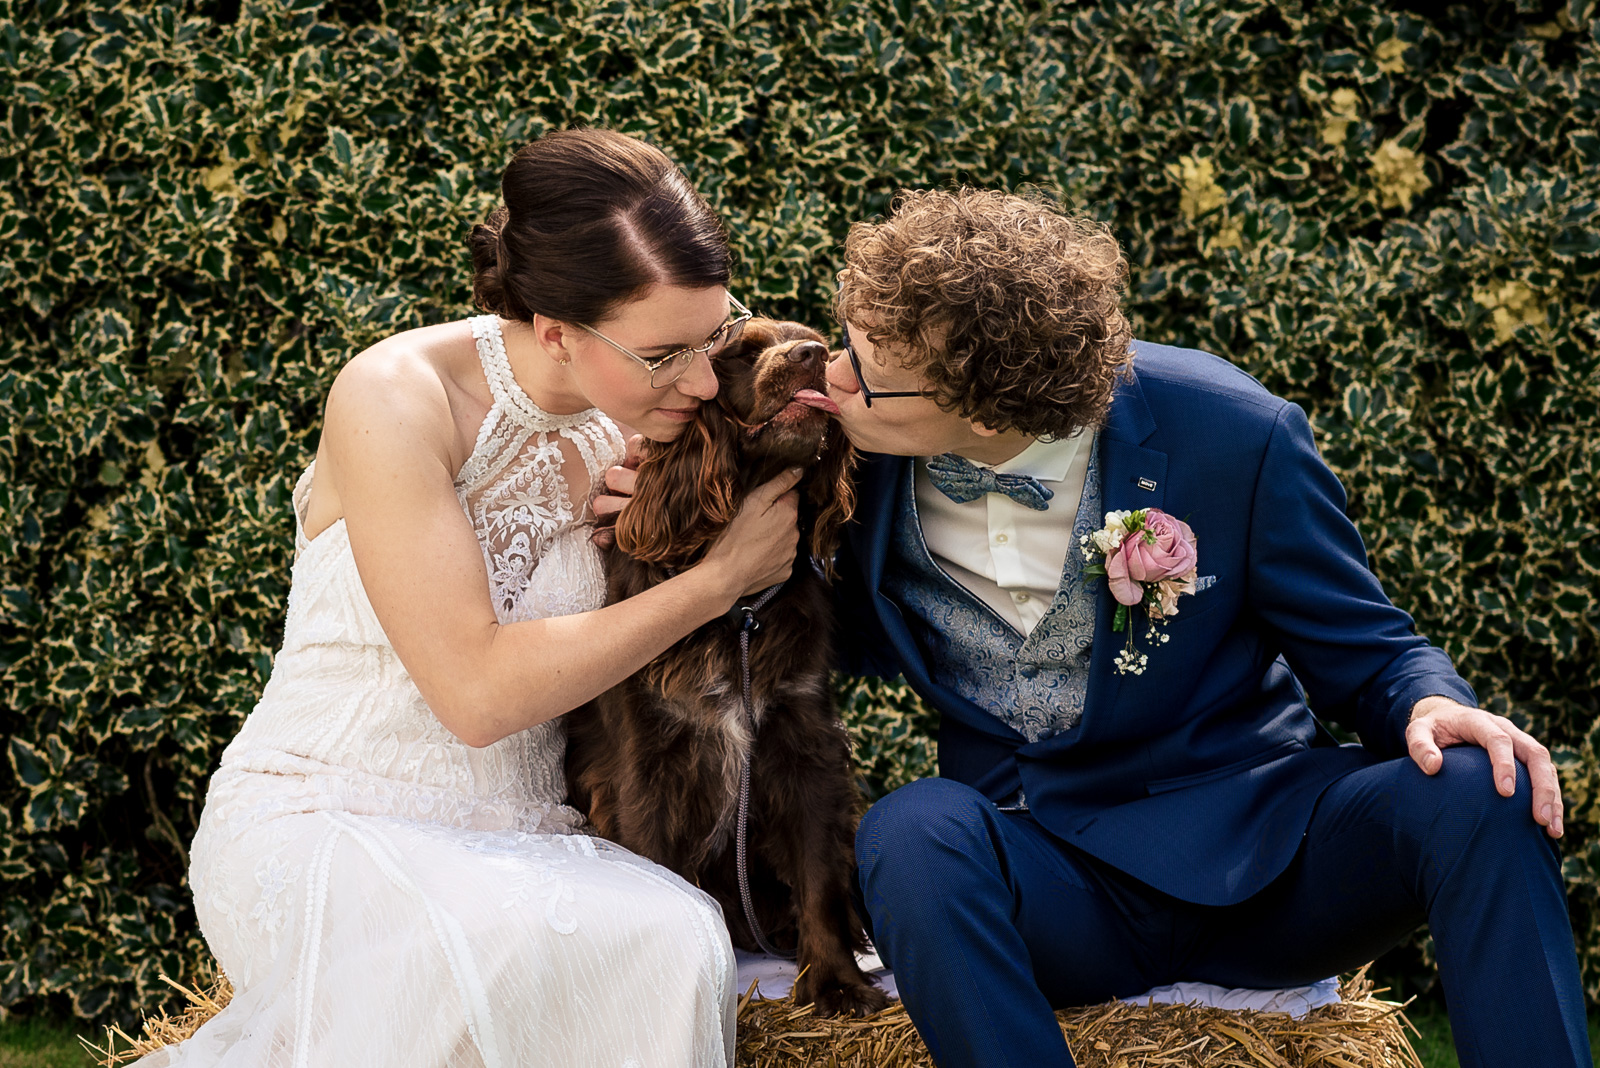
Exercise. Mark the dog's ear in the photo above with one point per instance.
(832, 494)
(687, 492)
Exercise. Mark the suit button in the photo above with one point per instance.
(1028, 671)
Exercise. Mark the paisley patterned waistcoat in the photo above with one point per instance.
(1034, 684)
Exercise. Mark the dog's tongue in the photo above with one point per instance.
(813, 399)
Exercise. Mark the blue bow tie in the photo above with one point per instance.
(962, 480)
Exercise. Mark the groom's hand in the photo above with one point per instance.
(620, 480)
(1437, 722)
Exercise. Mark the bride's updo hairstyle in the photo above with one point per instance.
(591, 218)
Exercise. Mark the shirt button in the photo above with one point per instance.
(1028, 671)
(1020, 598)
(1000, 539)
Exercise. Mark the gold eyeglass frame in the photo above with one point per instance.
(727, 333)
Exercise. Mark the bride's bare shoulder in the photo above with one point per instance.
(393, 409)
(408, 381)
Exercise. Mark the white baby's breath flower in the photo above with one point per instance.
(1113, 533)
(1108, 539)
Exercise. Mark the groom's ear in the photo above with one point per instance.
(981, 430)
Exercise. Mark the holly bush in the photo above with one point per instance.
(1386, 212)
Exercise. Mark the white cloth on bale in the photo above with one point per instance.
(1295, 1000)
(774, 978)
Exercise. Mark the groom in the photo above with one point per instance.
(1096, 832)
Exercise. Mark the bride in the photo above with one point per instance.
(384, 867)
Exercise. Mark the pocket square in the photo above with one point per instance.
(1204, 582)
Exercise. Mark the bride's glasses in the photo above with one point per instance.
(665, 370)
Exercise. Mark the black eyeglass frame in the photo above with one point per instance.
(867, 393)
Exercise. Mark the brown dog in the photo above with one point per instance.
(656, 760)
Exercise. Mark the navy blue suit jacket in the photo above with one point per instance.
(1199, 776)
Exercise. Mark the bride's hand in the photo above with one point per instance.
(618, 487)
(758, 548)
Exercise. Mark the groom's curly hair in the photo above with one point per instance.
(1010, 309)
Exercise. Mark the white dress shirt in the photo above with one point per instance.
(1009, 556)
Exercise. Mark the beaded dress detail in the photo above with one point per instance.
(381, 893)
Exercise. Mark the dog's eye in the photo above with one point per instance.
(742, 354)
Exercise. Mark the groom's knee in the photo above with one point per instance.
(1472, 815)
(1454, 823)
(922, 828)
(1460, 798)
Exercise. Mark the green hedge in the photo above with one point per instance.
(205, 209)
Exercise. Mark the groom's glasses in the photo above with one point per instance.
(665, 370)
(867, 394)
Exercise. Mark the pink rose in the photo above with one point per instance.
(1164, 550)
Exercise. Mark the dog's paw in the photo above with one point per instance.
(848, 998)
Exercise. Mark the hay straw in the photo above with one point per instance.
(205, 1000)
(1359, 1032)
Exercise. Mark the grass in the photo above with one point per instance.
(1432, 1041)
(52, 1044)
(42, 1044)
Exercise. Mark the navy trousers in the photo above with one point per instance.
(990, 922)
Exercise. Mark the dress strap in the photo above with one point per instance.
(508, 395)
(299, 501)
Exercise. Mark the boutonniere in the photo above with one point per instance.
(1148, 558)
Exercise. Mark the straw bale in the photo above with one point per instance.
(1361, 1031)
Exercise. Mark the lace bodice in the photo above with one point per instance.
(340, 705)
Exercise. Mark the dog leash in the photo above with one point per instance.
(747, 626)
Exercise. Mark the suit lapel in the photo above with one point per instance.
(882, 483)
(1132, 477)
(881, 478)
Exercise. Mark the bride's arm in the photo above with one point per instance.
(386, 449)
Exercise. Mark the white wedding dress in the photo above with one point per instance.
(380, 893)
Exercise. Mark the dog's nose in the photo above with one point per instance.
(809, 353)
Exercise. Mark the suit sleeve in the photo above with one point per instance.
(1359, 657)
